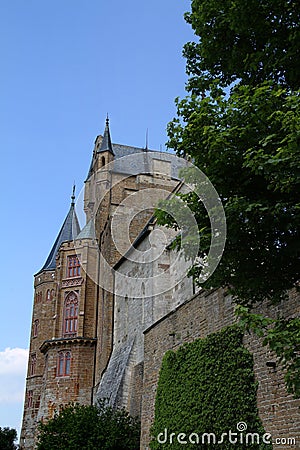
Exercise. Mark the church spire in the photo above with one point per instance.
(68, 232)
(73, 194)
(106, 145)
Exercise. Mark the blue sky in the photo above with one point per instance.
(64, 65)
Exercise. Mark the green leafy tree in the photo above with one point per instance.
(240, 125)
(248, 146)
(252, 41)
(8, 436)
(80, 427)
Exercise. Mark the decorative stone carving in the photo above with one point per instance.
(72, 282)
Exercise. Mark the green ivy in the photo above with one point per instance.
(207, 386)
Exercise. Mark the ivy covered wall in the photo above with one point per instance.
(208, 386)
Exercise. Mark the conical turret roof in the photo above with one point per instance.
(68, 232)
(106, 145)
(88, 232)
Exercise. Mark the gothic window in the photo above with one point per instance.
(48, 295)
(38, 297)
(67, 363)
(102, 161)
(36, 327)
(73, 267)
(61, 364)
(29, 399)
(64, 364)
(70, 315)
(52, 294)
(32, 364)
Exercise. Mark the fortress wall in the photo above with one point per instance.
(204, 314)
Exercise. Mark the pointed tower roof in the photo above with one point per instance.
(106, 145)
(68, 232)
(88, 232)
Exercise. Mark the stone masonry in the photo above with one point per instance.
(104, 315)
(206, 313)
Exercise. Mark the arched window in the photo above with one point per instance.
(61, 364)
(52, 294)
(35, 327)
(64, 364)
(48, 295)
(102, 161)
(29, 399)
(32, 364)
(70, 315)
(38, 297)
(67, 363)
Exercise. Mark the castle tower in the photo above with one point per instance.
(62, 341)
(72, 338)
(112, 179)
(98, 179)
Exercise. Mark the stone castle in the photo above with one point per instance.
(113, 297)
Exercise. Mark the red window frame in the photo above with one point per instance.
(64, 363)
(73, 266)
(70, 315)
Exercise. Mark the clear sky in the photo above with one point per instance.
(64, 65)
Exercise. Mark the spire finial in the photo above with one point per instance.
(106, 145)
(73, 194)
(146, 148)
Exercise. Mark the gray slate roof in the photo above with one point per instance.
(106, 141)
(87, 232)
(68, 232)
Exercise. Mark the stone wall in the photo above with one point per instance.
(204, 314)
(45, 390)
(56, 390)
(146, 288)
(120, 218)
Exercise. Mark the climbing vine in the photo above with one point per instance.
(208, 386)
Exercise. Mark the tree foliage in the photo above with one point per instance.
(240, 124)
(252, 41)
(248, 146)
(90, 427)
(8, 436)
(246, 142)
